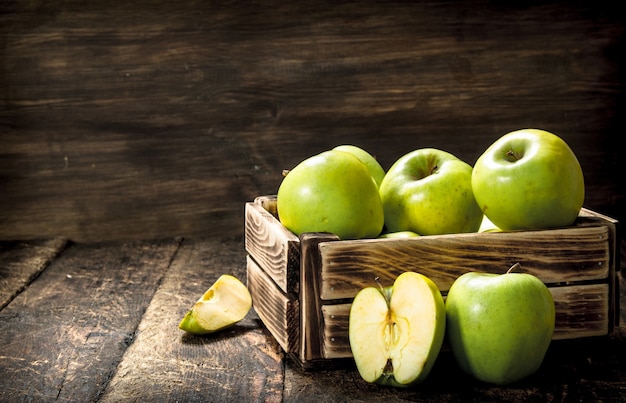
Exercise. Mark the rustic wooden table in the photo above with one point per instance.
(98, 322)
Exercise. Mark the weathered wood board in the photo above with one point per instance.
(239, 364)
(63, 336)
(22, 261)
(155, 118)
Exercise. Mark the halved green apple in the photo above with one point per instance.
(225, 303)
(396, 332)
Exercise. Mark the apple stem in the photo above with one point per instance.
(514, 267)
(513, 156)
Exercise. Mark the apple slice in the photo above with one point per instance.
(396, 332)
(225, 303)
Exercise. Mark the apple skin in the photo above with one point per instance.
(429, 192)
(396, 332)
(499, 326)
(377, 171)
(331, 192)
(529, 179)
(400, 234)
(225, 303)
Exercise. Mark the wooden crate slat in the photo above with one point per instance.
(581, 311)
(335, 322)
(310, 302)
(279, 313)
(555, 256)
(274, 247)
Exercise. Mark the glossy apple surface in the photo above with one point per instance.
(499, 326)
(331, 192)
(429, 191)
(377, 171)
(529, 179)
(225, 303)
(396, 332)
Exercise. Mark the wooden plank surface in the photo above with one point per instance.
(155, 118)
(100, 324)
(63, 337)
(165, 364)
(22, 261)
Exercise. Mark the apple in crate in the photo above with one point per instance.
(225, 303)
(396, 332)
(377, 171)
(499, 325)
(331, 192)
(429, 191)
(529, 179)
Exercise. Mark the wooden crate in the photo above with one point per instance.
(302, 287)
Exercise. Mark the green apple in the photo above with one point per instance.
(429, 191)
(331, 192)
(529, 179)
(396, 332)
(499, 325)
(399, 234)
(487, 226)
(377, 171)
(225, 303)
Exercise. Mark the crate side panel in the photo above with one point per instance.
(275, 248)
(310, 302)
(581, 311)
(555, 256)
(336, 342)
(279, 312)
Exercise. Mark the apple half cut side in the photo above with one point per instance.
(396, 332)
(225, 303)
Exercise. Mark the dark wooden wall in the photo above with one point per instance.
(149, 119)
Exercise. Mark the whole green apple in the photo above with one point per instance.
(499, 326)
(377, 171)
(396, 332)
(331, 192)
(429, 191)
(529, 179)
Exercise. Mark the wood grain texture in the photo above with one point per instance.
(151, 119)
(63, 337)
(21, 263)
(311, 332)
(163, 363)
(555, 256)
(279, 312)
(273, 246)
